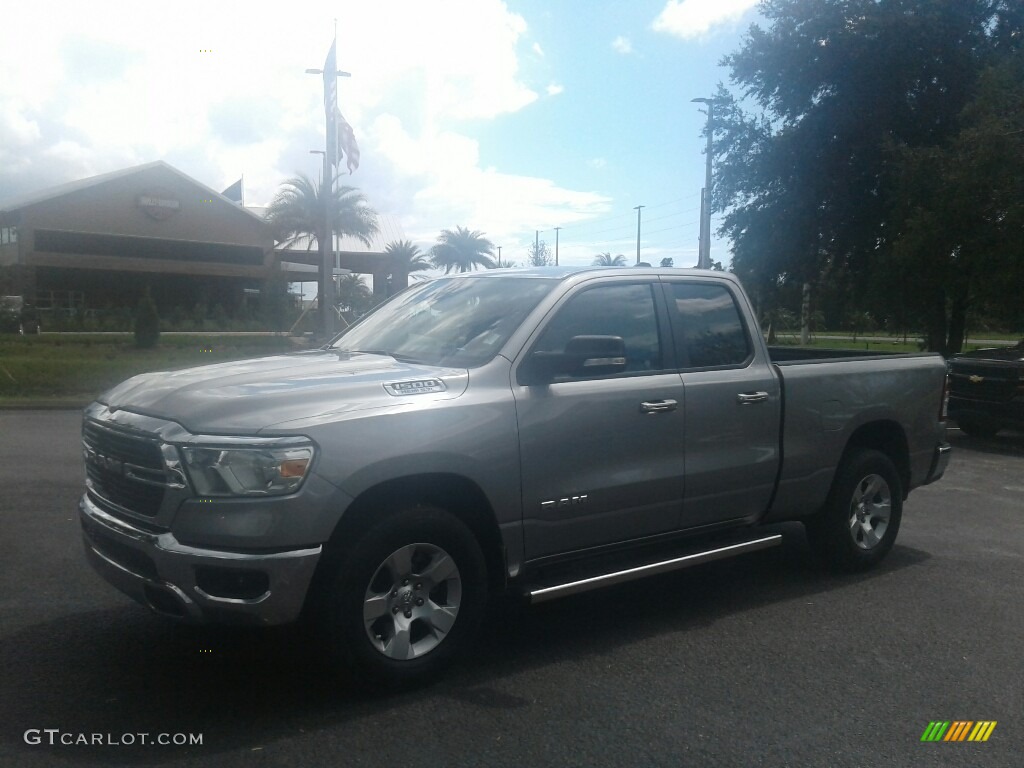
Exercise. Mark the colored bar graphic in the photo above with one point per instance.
(958, 730)
(982, 730)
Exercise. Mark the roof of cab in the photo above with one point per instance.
(563, 272)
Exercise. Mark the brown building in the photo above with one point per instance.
(100, 242)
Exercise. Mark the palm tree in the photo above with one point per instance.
(462, 250)
(407, 256)
(607, 260)
(297, 212)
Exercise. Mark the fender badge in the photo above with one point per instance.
(414, 387)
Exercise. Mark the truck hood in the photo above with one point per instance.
(252, 395)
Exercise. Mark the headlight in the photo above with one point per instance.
(220, 466)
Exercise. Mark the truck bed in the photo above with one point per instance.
(829, 393)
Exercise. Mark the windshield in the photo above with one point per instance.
(458, 322)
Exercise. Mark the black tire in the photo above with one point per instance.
(978, 427)
(858, 524)
(399, 629)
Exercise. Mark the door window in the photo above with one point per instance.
(611, 310)
(710, 329)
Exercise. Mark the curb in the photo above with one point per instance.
(45, 405)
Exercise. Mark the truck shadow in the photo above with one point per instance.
(121, 670)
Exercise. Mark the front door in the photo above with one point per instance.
(602, 457)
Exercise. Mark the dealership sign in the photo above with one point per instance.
(157, 205)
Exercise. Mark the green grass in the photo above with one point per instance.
(79, 367)
(912, 345)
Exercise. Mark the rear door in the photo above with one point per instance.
(602, 456)
(733, 404)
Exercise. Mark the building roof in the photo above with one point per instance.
(33, 198)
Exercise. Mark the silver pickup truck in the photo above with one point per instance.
(542, 431)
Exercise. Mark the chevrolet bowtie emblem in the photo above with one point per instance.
(976, 379)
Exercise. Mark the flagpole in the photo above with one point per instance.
(328, 256)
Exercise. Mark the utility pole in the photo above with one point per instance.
(556, 245)
(704, 258)
(330, 73)
(499, 257)
(536, 243)
(325, 292)
(637, 209)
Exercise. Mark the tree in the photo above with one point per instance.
(408, 256)
(540, 255)
(462, 250)
(297, 213)
(812, 187)
(668, 261)
(607, 260)
(406, 259)
(355, 298)
(962, 204)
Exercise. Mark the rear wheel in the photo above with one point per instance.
(407, 598)
(859, 522)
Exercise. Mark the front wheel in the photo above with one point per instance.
(857, 526)
(407, 598)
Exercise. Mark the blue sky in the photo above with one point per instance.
(503, 117)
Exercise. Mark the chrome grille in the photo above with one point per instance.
(124, 469)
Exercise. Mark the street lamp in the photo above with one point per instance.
(704, 257)
(638, 209)
(327, 324)
(326, 281)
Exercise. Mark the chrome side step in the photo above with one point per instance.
(594, 582)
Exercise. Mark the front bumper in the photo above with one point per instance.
(166, 576)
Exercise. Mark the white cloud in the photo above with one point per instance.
(622, 45)
(121, 83)
(449, 188)
(597, 162)
(693, 18)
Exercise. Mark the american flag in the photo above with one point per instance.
(331, 101)
(347, 146)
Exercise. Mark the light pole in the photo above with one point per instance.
(327, 324)
(637, 209)
(326, 277)
(704, 257)
(499, 257)
(556, 245)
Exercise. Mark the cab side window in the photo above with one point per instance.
(611, 310)
(710, 329)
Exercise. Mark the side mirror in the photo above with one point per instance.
(582, 356)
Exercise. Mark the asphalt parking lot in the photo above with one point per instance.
(755, 661)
